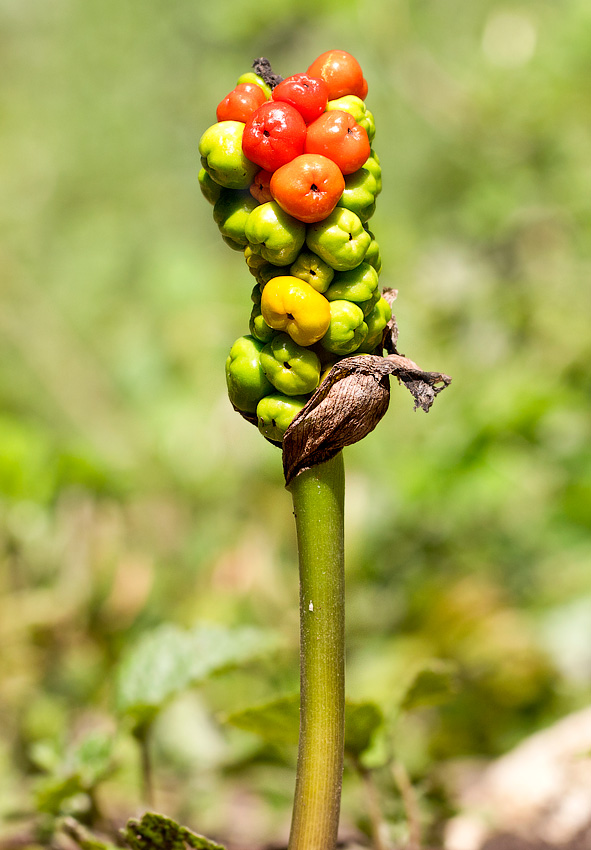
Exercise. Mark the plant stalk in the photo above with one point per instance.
(318, 499)
(142, 736)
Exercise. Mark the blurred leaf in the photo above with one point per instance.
(169, 659)
(93, 758)
(278, 722)
(432, 684)
(83, 768)
(362, 721)
(155, 832)
(52, 794)
(156, 669)
(45, 756)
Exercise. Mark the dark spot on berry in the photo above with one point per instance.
(314, 187)
(273, 423)
(290, 316)
(266, 133)
(286, 364)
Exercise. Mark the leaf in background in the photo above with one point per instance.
(170, 659)
(362, 721)
(92, 758)
(45, 756)
(278, 722)
(55, 795)
(432, 684)
(217, 648)
(73, 776)
(155, 832)
(156, 669)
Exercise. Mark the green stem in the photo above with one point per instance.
(142, 736)
(378, 825)
(318, 498)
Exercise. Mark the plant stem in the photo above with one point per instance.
(318, 498)
(378, 825)
(142, 736)
(411, 806)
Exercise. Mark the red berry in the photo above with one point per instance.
(308, 187)
(309, 95)
(274, 135)
(337, 135)
(342, 73)
(240, 103)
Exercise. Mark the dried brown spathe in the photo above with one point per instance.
(349, 404)
(351, 400)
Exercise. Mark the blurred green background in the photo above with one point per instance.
(132, 495)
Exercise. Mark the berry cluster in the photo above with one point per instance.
(293, 181)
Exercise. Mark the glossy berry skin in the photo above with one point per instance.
(251, 78)
(357, 285)
(376, 321)
(340, 239)
(372, 255)
(274, 135)
(308, 187)
(341, 72)
(209, 188)
(309, 95)
(347, 329)
(275, 414)
(222, 156)
(259, 188)
(337, 136)
(291, 305)
(245, 378)
(231, 212)
(313, 270)
(274, 234)
(240, 103)
(353, 104)
(291, 368)
(359, 194)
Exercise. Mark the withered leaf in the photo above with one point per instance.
(351, 401)
(349, 404)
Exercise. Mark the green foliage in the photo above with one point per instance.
(277, 721)
(71, 782)
(432, 684)
(362, 721)
(168, 660)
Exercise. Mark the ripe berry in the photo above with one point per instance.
(240, 103)
(309, 95)
(274, 135)
(336, 135)
(308, 187)
(341, 72)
